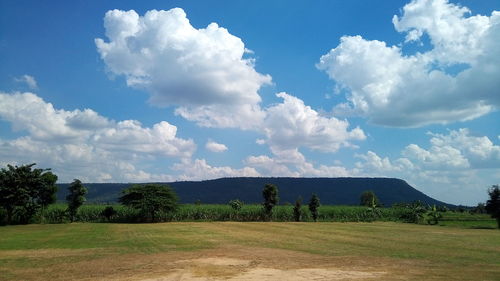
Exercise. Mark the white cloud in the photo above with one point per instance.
(414, 90)
(27, 111)
(292, 124)
(84, 144)
(268, 166)
(28, 80)
(199, 169)
(456, 150)
(292, 163)
(457, 167)
(215, 147)
(200, 70)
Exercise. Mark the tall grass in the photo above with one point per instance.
(56, 213)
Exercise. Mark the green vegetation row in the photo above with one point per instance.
(27, 194)
(57, 213)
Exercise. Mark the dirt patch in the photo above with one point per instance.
(219, 261)
(262, 264)
(272, 274)
(231, 262)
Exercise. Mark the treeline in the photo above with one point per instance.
(27, 195)
(56, 213)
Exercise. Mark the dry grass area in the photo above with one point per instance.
(248, 251)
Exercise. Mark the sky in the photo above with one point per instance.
(129, 91)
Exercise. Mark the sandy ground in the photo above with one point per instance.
(230, 262)
(240, 263)
(199, 270)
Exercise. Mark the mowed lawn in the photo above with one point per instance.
(248, 251)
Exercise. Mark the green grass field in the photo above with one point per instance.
(243, 250)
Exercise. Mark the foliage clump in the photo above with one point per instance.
(369, 199)
(25, 190)
(236, 204)
(271, 199)
(75, 198)
(433, 215)
(297, 212)
(108, 212)
(413, 212)
(150, 199)
(493, 204)
(314, 205)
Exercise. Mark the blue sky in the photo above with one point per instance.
(121, 91)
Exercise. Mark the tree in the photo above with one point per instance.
(150, 199)
(271, 199)
(313, 206)
(493, 204)
(369, 199)
(75, 198)
(297, 212)
(433, 215)
(24, 190)
(236, 204)
(108, 212)
(479, 209)
(414, 212)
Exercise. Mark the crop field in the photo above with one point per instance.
(222, 212)
(56, 213)
(248, 251)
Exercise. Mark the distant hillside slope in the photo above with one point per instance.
(337, 191)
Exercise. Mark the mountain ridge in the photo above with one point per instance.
(331, 191)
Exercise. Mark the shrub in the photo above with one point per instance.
(152, 200)
(297, 212)
(493, 204)
(235, 204)
(433, 216)
(369, 199)
(75, 198)
(108, 213)
(271, 199)
(314, 205)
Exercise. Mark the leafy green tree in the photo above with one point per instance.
(493, 204)
(479, 209)
(236, 204)
(297, 212)
(108, 212)
(368, 199)
(24, 190)
(150, 199)
(314, 205)
(433, 215)
(271, 199)
(414, 212)
(75, 198)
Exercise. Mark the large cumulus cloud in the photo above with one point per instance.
(201, 71)
(394, 89)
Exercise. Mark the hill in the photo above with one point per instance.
(336, 191)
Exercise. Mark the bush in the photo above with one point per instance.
(108, 213)
(271, 199)
(152, 200)
(313, 206)
(235, 204)
(414, 212)
(433, 216)
(297, 212)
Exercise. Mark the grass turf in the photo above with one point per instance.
(48, 251)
